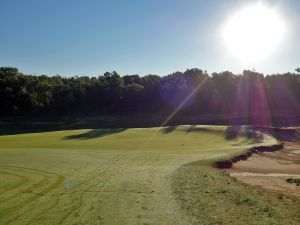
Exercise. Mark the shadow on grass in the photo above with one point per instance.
(282, 134)
(194, 128)
(95, 133)
(7, 128)
(169, 129)
(233, 132)
(13, 129)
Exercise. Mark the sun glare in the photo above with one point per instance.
(253, 33)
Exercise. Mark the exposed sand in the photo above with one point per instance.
(271, 169)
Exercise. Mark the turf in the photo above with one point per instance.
(210, 197)
(111, 176)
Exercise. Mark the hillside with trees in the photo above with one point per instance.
(262, 99)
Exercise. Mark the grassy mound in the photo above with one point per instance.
(110, 176)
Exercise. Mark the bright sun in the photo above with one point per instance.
(253, 33)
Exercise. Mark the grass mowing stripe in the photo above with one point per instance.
(81, 196)
(28, 189)
(24, 179)
(38, 215)
(59, 180)
(34, 198)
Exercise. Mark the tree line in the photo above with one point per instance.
(193, 92)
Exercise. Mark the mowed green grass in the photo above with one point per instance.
(112, 176)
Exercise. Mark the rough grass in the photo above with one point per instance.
(115, 176)
(210, 197)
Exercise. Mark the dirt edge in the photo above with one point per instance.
(228, 163)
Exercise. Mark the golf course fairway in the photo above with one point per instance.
(108, 176)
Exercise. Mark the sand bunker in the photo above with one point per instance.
(270, 170)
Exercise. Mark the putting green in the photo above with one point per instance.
(104, 176)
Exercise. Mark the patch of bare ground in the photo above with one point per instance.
(270, 170)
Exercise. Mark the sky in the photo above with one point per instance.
(90, 37)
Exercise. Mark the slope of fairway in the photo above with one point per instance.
(104, 176)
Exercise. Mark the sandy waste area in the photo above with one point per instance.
(270, 170)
